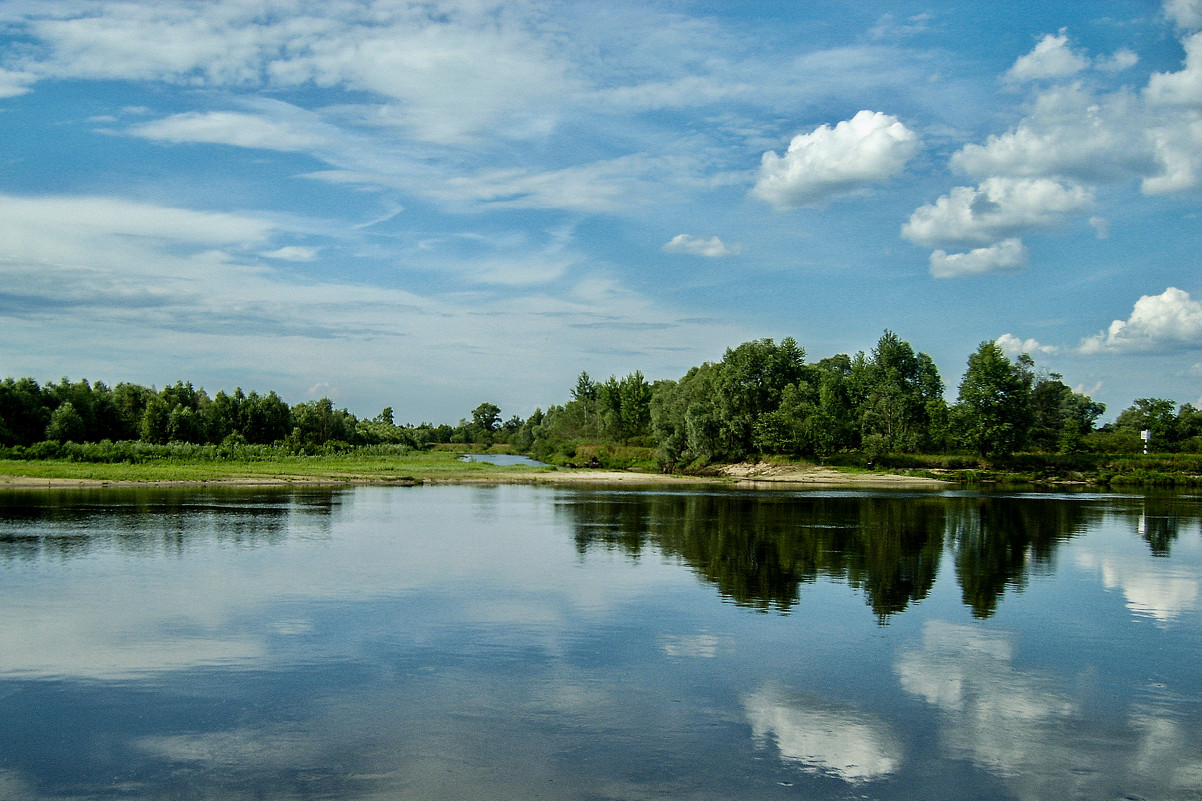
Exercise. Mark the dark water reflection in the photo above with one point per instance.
(759, 551)
(524, 642)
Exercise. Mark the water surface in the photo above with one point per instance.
(539, 642)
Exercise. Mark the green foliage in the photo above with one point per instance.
(1061, 418)
(66, 424)
(896, 393)
(993, 414)
(24, 412)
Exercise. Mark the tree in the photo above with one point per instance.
(153, 427)
(993, 413)
(317, 422)
(66, 424)
(1060, 417)
(1157, 415)
(486, 416)
(749, 385)
(23, 411)
(898, 393)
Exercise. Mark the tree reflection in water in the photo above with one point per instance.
(759, 549)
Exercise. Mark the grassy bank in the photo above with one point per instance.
(351, 467)
(125, 463)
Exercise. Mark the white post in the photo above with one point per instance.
(1146, 436)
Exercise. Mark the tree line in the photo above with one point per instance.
(762, 398)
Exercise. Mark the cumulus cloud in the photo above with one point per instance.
(823, 738)
(1123, 59)
(1187, 14)
(1071, 133)
(1152, 588)
(1183, 88)
(1007, 256)
(830, 162)
(1076, 133)
(997, 209)
(1013, 346)
(712, 247)
(1171, 320)
(1051, 58)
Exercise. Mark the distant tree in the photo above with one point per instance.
(153, 426)
(993, 412)
(24, 413)
(749, 385)
(317, 422)
(265, 419)
(185, 425)
(486, 416)
(585, 389)
(1060, 417)
(130, 401)
(898, 393)
(1157, 415)
(684, 417)
(66, 424)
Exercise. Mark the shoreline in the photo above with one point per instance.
(746, 476)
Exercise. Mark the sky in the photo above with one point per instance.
(429, 205)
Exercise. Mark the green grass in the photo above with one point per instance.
(352, 467)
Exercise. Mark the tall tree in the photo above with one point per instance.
(993, 413)
(750, 385)
(898, 392)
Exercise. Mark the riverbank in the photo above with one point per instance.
(424, 468)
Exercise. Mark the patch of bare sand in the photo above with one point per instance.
(765, 473)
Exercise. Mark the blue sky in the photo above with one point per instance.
(429, 205)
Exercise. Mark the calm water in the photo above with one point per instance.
(528, 642)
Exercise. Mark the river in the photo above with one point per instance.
(520, 642)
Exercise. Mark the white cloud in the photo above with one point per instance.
(823, 738)
(1123, 59)
(830, 162)
(1007, 256)
(1013, 346)
(172, 293)
(1155, 589)
(1075, 133)
(1182, 88)
(1051, 58)
(712, 247)
(293, 253)
(1168, 321)
(997, 209)
(454, 71)
(1186, 14)
(232, 128)
(61, 228)
(1101, 227)
(1026, 727)
(695, 646)
(14, 83)
(1070, 132)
